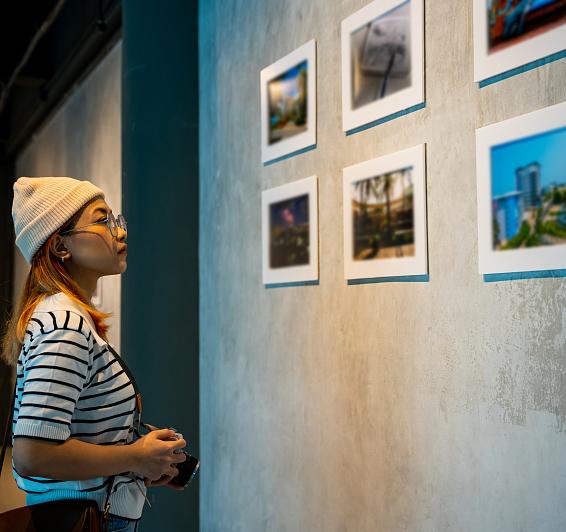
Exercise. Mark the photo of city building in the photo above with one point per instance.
(289, 232)
(287, 96)
(381, 56)
(514, 21)
(382, 210)
(529, 191)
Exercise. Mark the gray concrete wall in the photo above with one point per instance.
(437, 406)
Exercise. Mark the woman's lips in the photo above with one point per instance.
(123, 251)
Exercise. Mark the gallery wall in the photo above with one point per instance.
(424, 406)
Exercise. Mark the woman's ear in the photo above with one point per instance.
(58, 248)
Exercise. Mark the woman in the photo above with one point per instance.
(73, 427)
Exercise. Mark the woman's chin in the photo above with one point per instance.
(123, 264)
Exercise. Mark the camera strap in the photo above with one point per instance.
(132, 380)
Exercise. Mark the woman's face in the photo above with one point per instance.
(93, 249)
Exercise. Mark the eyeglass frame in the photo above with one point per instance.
(120, 221)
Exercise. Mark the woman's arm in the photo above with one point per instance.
(151, 457)
(72, 459)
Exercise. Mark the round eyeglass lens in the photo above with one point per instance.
(121, 221)
(112, 223)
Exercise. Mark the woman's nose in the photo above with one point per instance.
(122, 234)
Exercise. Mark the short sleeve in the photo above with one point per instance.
(55, 369)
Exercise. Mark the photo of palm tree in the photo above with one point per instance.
(514, 21)
(289, 232)
(381, 56)
(287, 95)
(529, 191)
(382, 216)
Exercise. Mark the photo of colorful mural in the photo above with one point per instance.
(513, 21)
(288, 103)
(513, 33)
(529, 191)
(381, 56)
(382, 211)
(289, 232)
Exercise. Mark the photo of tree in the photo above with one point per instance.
(383, 218)
(381, 56)
(289, 232)
(287, 95)
(529, 191)
(513, 21)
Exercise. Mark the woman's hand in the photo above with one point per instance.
(155, 458)
(163, 481)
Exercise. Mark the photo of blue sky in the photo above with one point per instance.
(548, 149)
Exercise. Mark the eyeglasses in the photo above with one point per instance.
(110, 220)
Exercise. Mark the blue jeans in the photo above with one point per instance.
(120, 524)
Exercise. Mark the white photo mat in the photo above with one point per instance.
(398, 101)
(487, 65)
(388, 267)
(300, 141)
(308, 272)
(512, 260)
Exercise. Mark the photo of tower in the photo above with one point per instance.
(529, 192)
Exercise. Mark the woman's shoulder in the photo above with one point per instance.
(58, 312)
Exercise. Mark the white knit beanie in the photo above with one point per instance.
(42, 205)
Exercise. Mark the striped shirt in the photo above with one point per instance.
(69, 385)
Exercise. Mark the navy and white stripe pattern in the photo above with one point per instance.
(69, 385)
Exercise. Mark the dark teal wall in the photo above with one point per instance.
(160, 299)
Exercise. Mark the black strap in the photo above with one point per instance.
(126, 369)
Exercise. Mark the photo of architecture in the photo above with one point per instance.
(529, 192)
(288, 103)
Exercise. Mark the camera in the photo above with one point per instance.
(187, 469)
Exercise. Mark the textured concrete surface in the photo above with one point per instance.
(437, 406)
(83, 140)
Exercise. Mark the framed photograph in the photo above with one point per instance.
(290, 232)
(288, 104)
(385, 216)
(511, 33)
(382, 61)
(521, 180)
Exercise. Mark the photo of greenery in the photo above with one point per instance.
(383, 220)
(287, 96)
(529, 191)
(289, 232)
